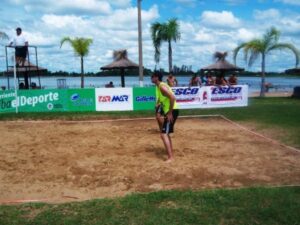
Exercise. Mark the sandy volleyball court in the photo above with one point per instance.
(61, 161)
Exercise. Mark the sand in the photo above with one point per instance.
(59, 161)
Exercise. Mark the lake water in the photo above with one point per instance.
(281, 84)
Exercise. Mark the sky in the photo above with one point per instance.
(206, 26)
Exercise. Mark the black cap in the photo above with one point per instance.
(18, 29)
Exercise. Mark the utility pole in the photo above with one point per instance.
(141, 69)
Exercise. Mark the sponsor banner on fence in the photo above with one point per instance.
(35, 101)
(81, 100)
(144, 98)
(7, 101)
(188, 97)
(225, 96)
(113, 99)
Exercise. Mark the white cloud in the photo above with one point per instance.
(267, 14)
(291, 2)
(223, 19)
(65, 6)
(235, 2)
(244, 35)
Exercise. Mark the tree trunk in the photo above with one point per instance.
(263, 76)
(170, 57)
(82, 73)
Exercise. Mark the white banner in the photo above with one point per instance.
(225, 96)
(114, 99)
(188, 97)
(211, 96)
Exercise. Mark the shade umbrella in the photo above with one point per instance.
(221, 65)
(27, 71)
(121, 62)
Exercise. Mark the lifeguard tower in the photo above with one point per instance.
(25, 72)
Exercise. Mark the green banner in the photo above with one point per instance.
(7, 102)
(144, 98)
(81, 100)
(42, 100)
(34, 101)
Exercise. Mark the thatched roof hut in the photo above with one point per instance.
(221, 65)
(29, 68)
(121, 62)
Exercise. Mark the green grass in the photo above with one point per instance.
(242, 206)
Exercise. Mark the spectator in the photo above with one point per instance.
(195, 81)
(110, 85)
(220, 80)
(172, 81)
(232, 80)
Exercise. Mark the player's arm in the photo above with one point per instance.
(165, 91)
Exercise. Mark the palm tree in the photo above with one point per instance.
(256, 47)
(81, 48)
(168, 32)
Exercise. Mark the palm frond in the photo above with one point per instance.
(65, 39)
(254, 54)
(79, 45)
(287, 46)
(156, 33)
(172, 30)
(236, 51)
(271, 37)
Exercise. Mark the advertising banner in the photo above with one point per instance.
(81, 100)
(188, 97)
(144, 98)
(34, 101)
(225, 96)
(42, 100)
(7, 103)
(113, 99)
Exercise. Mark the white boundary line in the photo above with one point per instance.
(98, 121)
(259, 135)
(153, 118)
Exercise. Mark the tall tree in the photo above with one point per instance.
(165, 32)
(81, 49)
(262, 47)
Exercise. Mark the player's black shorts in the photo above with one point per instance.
(168, 127)
(159, 109)
(21, 51)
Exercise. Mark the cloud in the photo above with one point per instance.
(291, 2)
(65, 6)
(190, 3)
(267, 14)
(235, 2)
(224, 19)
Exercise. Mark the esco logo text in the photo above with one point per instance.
(115, 98)
(186, 91)
(226, 90)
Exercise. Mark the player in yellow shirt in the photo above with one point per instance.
(167, 100)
